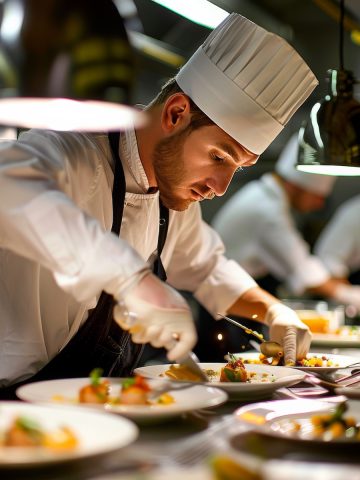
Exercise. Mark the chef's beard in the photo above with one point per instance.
(170, 171)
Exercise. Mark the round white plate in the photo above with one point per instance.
(276, 419)
(65, 392)
(97, 432)
(338, 361)
(276, 377)
(347, 337)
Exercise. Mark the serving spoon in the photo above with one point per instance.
(267, 347)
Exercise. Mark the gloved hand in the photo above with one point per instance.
(348, 294)
(287, 329)
(155, 313)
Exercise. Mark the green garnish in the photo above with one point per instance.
(127, 382)
(232, 358)
(229, 373)
(95, 376)
(30, 426)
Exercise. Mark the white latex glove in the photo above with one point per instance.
(287, 329)
(155, 313)
(348, 294)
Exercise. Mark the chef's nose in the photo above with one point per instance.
(219, 183)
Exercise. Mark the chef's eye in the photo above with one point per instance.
(217, 158)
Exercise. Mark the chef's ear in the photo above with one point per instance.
(176, 112)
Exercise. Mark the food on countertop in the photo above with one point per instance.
(347, 330)
(28, 432)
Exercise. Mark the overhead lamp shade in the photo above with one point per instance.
(329, 140)
(65, 65)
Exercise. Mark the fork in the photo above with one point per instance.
(202, 445)
(322, 388)
(192, 451)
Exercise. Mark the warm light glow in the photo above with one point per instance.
(65, 114)
(202, 12)
(336, 170)
(255, 316)
(220, 336)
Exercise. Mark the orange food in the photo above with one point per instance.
(234, 371)
(26, 432)
(97, 391)
(135, 391)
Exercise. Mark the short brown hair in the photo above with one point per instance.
(198, 117)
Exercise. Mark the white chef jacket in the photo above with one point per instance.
(339, 243)
(57, 252)
(258, 231)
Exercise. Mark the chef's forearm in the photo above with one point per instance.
(253, 304)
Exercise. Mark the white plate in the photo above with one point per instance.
(339, 361)
(98, 433)
(276, 419)
(347, 337)
(192, 398)
(280, 377)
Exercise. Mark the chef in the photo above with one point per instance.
(338, 246)
(93, 221)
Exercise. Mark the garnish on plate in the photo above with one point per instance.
(24, 431)
(234, 371)
(97, 391)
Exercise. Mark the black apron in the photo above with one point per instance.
(100, 341)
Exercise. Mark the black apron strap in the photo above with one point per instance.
(119, 187)
(158, 267)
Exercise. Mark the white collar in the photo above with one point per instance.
(135, 176)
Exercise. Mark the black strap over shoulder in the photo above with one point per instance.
(119, 188)
(163, 229)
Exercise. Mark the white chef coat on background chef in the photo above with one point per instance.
(259, 232)
(338, 245)
(57, 252)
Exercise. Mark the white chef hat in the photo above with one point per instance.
(285, 167)
(247, 80)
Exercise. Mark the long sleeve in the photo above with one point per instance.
(43, 179)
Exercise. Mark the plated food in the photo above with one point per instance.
(131, 391)
(345, 336)
(314, 361)
(305, 420)
(325, 426)
(34, 435)
(182, 401)
(26, 431)
(261, 380)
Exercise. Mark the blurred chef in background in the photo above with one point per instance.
(61, 194)
(338, 247)
(259, 231)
